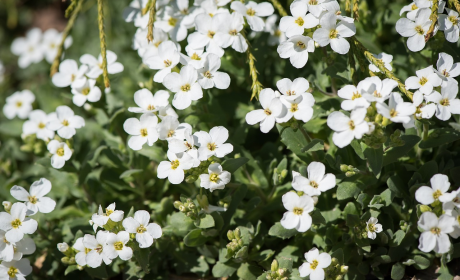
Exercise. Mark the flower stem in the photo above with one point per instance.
(151, 21)
(256, 85)
(279, 7)
(57, 59)
(434, 20)
(426, 128)
(456, 4)
(100, 21)
(356, 9)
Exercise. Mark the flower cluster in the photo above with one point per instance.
(15, 223)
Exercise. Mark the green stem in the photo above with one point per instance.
(100, 21)
(426, 128)
(279, 7)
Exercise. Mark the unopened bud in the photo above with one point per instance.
(283, 174)
(237, 233)
(281, 271)
(334, 261)
(63, 247)
(425, 208)
(343, 167)
(240, 242)
(177, 204)
(350, 173)
(191, 206)
(7, 205)
(65, 260)
(72, 260)
(343, 269)
(191, 179)
(339, 277)
(274, 266)
(230, 235)
(182, 208)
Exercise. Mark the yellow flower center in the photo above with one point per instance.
(118, 245)
(65, 122)
(371, 227)
(195, 57)
(314, 264)
(174, 164)
(333, 34)
(171, 133)
(87, 250)
(377, 94)
(151, 107)
(277, 33)
(185, 87)
(355, 95)
(267, 112)
(314, 184)
(41, 125)
(414, 7)
(208, 74)
(12, 272)
(423, 81)
(158, 43)
(172, 21)
(445, 73)
(72, 77)
(60, 152)
(300, 21)
(33, 199)
(144, 132)
(289, 92)
(19, 104)
(16, 223)
(301, 45)
(85, 91)
(108, 211)
(419, 30)
(294, 107)
(351, 124)
(233, 32)
(213, 177)
(436, 230)
(393, 113)
(298, 210)
(250, 12)
(212, 146)
(167, 62)
(444, 102)
(437, 194)
(141, 229)
(453, 19)
(313, 2)
(211, 34)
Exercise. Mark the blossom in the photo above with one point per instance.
(166, 59)
(15, 223)
(70, 74)
(213, 143)
(425, 81)
(414, 7)
(276, 35)
(298, 207)
(19, 104)
(50, 43)
(386, 59)
(299, 21)
(142, 131)
(347, 128)
(415, 29)
(29, 48)
(144, 47)
(446, 101)
(145, 231)
(62, 247)
(174, 168)
(206, 28)
(293, 89)
(65, 122)
(171, 23)
(35, 200)
(216, 179)
(87, 91)
(36, 124)
(333, 33)
(353, 97)
(296, 49)
(301, 108)
(116, 246)
(96, 244)
(315, 265)
(438, 190)
(397, 110)
(434, 235)
(272, 108)
(171, 128)
(185, 86)
(61, 153)
(15, 269)
(95, 65)
(100, 218)
(209, 77)
(447, 69)
(10, 251)
(372, 227)
(149, 103)
(316, 182)
(373, 89)
(230, 32)
(422, 110)
(253, 11)
(450, 24)
(80, 257)
(194, 57)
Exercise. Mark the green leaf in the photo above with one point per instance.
(128, 173)
(358, 148)
(347, 190)
(295, 141)
(224, 269)
(99, 272)
(374, 158)
(194, 238)
(393, 154)
(11, 127)
(142, 257)
(444, 274)
(338, 254)
(248, 271)
(279, 231)
(397, 271)
(440, 136)
(180, 224)
(205, 222)
(397, 238)
(313, 146)
(397, 186)
(232, 164)
(70, 268)
(317, 218)
(421, 262)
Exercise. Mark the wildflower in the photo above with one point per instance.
(299, 21)
(386, 59)
(209, 77)
(446, 101)
(272, 108)
(372, 228)
(375, 90)
(88, 91)
(95, 245)
(296, 49)
(36, 124)
(438, 190)
(149, 103)
(116, 246)
(415, 29)
(347, 128)
(216, 179)
(397, 110)
(145, 231)
(301, 108)
(213, 143)
(435, 232)
(333, 33)
(253, 13)
(293, 89)
(15, 223)
(65, 122)
(230, 32)
(425, 81)
(80, 257)
(50, 43)
(315, 265)
(70, 74)
(101, 218)
(166, 59)
(298, 207)
(185, 85)
(206, 28)
(29, 48)
(35, 200)
(447, 69)
(353, 97)
(174, 168)
(15, 269)
(170, 128)
(316, 182)
(142, 131)
(19, 104)
(95, 65)
(61, 153)
(450, 24)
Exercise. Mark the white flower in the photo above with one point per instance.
(14, 251)
(95, 65)
(316, 183)
(142, 131)
(372, 227)
(375, 90)
(296, 49)
(334, 34)
(213, 143)
(299, 21)
(434, 235)
(423, 110)
(195, 57)
(425, 81)
(87, 91)
(206, 28)
(301, 108)
(62, 247)
(385, 58)
(414, 7)
(15, 223)
(29, 48)
(229, 32)
(272, 109)
(446, 101)
(35, 200)
(144, 47)
(65, 122)
(171, 128)
(185, 86)
(317, 7)
(19, 104)
(80, 257)
(276, 35)
(61, 153)
(293, 89)
(438, 191)
(253, 11)
(450, 24)
(170, 22)
(298, 208)
(209, 77)
(347, 128)
(145, 231)
(96, 244)
(315, 265)
(149, 103)
(397, 110)
(174, 168)
(69, 74)
(416, 31)
(37, 125)
(166, 59)
(447, 69)
(15, 270)
(100, 218)
(216, 179)
(116, 246)
(353, 97)
(50, 42)
(166, 111)
(133, 13)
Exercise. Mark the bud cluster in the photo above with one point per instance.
(276, 273)
(188, 207)
(235, 244)
(349, 170)
(335, 271)
(194, 173)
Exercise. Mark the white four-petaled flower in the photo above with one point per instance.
(298, 207)
(145, 231)
(35, 199)
(315, 265)
(216, 179)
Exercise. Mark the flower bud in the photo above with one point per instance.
(65, 260)
(182, 208)
(283, 174)
(339, 277)
(281, 271)
(7, 205)
(72, 260)
(63, 247)
(343, 269)
(343, 167)
(240, 242)
(191, 179)
(230, 235)
(425, 208)
(350, 173)
(177, 204)
(237, 233)
(334, 261)
(274, 266)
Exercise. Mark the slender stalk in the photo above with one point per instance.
(434, 20)
(146, 8)
(426, 128)
(381, 67)
(356, 9)
(70, 8)
(256, 85)
(57, 59)
(151, 21)
(456, 4)
(100, 21)
(279, 7)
